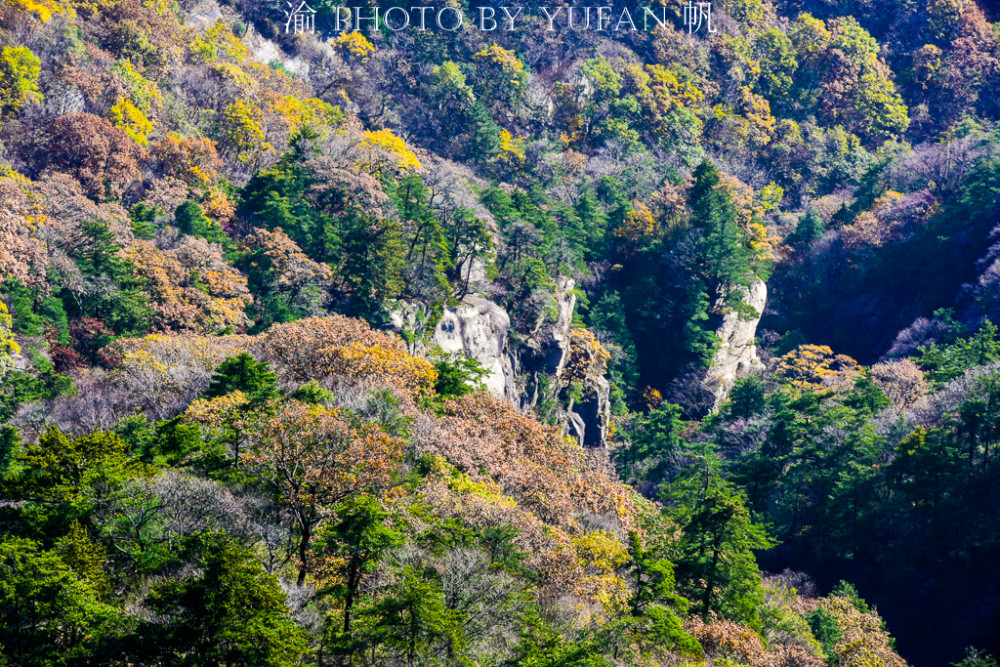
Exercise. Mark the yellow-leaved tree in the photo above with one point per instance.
(8, 347)
(244, 131)
(39, 9)
(815, 368)
(19, 70)
(353, 44)
(383, 149)
(127, 117)
(219, 42)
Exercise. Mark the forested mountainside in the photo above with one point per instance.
(569, 347)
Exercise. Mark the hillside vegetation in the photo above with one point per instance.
(420, 347)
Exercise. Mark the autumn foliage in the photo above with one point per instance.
(229, 255)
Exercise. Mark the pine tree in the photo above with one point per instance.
(809, 229)
(243, 373)
(717, 568)
(725, 260)
(191, 219)
(232, 613)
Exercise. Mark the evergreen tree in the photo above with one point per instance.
(809, 229)
(369, 256)
(124, 309)
(658, 436)
(232, 613)
(716, 568)
(191, 219)
(49, 615)
(725, 260)
(243, 373)
(359, 540)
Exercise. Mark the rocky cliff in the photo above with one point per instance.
(737, 354)
(480, 329)
(528, 370)
(581, 400)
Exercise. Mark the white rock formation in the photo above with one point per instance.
(548, 342)
(264, 51)
(737, 354)
(480, 329)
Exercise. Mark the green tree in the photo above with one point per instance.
(124, 309)
(778, 64)
(86, 557)
(658, 436)
(655, 606)
(232, 613)
(881, 109)
(48, 614)
(483, 140)
(413, 624)
(21, 387)
(369, 257)
(542, 645)
(144, 217)
(587, 226)
(468, 240)
(428, 258)
(747, 398)
(458, 375)
(716, 567)
(61, 478)
(948, 361)
(359, 540)
(725, 260)
(827, 632)
(976, 658)
(19, 70)
(244, 373)
(99, 252)
(311, 392)
(191, 219)
(276, 198)
(33, 315)
(809, 229)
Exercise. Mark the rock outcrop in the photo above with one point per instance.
(480, 329)
(543, 352)
(477, 328)
(529, 371)
(737, 354)
(31, 347)
(539, 365)
(590, 417)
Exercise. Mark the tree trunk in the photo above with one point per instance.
(303, 552)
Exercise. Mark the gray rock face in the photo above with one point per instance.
(737, 354)
(477, 328)
(480, 329)
(204, 13)
(30, 345)
(592, 413)
(539, 365)
(545, 350)
(525, 374)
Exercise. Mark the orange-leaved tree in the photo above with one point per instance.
(346, 349)
(310, 458)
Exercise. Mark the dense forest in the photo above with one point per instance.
(535, 346)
